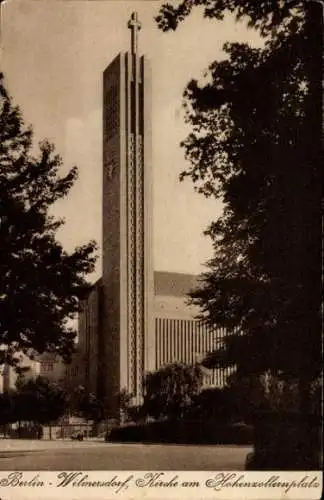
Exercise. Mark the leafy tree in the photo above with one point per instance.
(256, 144)
(135, 413)
(86, 405)
(40, 400)
(217, 404)
(124, 400)
(41, 284)
(76, 397)
(7, 407)
(170, 390)
(267, 16)
(91, 408)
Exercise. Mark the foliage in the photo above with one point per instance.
(124, 400)
(256, 144)
(135, 413)
(183, 431)
(92, 408)
(171, 389)
(265, 15)
(86, 405)
(7, 407)
(262, 394)
(43, 401)
(41, 283)
(35, 400)
(76, 397)
(217, 404)
(245, 397)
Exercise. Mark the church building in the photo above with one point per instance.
(135, 319)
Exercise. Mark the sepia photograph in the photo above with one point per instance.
(161, 258)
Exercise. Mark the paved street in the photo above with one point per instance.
(92, 455)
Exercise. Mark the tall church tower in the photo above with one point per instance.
(127, 329)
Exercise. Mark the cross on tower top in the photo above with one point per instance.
(134, 25)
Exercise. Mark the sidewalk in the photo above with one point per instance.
(8, 445)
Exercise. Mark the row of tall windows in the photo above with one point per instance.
(188, 341)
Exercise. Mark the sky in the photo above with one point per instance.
(53, 56)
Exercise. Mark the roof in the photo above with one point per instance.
(174, 284)
(167, 283)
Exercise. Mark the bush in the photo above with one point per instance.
(219, 405)
(184, 432)
(171, 390)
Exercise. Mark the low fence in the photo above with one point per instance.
(48, 432)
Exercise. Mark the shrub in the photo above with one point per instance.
(184, 432)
